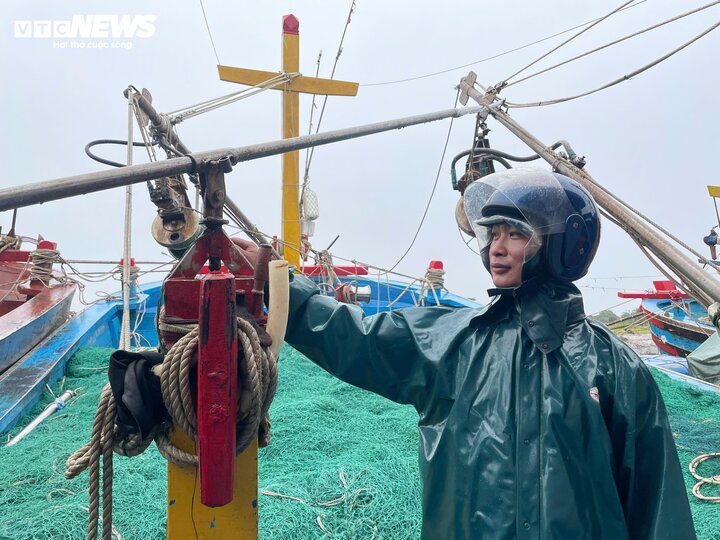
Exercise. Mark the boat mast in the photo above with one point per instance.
(290, 123)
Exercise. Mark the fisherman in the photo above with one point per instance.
(535, 422)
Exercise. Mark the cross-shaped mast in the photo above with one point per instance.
(290, 123)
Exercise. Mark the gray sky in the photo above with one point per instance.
(649, 140)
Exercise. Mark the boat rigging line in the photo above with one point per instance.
(311, 151)
(212, 41)
(640, 229)
(175, 117)
(620, 40)
(494, 56)
(598, 21)
(432, 193)
(624, 78)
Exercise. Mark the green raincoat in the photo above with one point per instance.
(534, 421)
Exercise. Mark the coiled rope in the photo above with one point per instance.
(9, 242)
(257, 375)
(702, 480)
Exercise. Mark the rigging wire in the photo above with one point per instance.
(215, 103)
(432, 193)
(310, 127)
(616, 81)
(212, 41)
(311, 150)
(498, 55)
(601, 19)
(587, 53)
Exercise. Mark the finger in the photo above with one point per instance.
(244, 244)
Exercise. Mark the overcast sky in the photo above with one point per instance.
(651, 140)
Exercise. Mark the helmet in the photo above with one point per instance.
(549, 206)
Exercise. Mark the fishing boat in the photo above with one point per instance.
(34, 299)
(96, 326)
(678, 323)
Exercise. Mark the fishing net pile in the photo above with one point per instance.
(342, 462)
(347, 458)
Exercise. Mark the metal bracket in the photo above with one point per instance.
(212, 186)
(487, 100)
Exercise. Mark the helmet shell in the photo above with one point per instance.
(552, 205)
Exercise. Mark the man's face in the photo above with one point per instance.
(507, 252)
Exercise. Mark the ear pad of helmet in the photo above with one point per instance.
(567, 251)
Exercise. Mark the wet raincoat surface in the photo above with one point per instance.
(534, 421)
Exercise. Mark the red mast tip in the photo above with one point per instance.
(291, 25)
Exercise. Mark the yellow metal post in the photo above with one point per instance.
(290, 123)
(189, 518)
(290, 160)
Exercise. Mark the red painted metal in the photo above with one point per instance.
(663, 289)
(15, 255)
(193, 293)
(181, 298)
(314, 270)
(291, 25)
(46, 244)
(217, 388)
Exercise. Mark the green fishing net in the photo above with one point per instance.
(342, 462)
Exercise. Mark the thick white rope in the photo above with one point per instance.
(702, 480)
(9, 242)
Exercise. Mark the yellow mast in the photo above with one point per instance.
(290, 123)
(187, 517)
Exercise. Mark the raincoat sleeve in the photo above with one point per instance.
(377, 353)
(651, 484)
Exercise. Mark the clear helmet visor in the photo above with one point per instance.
(512, 213)
(531, 200)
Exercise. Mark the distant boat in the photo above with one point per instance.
(34, 301)
(678, 323)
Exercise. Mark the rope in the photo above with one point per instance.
(616, 81)
(178, 116)
(639, 32)
(493, 57)
(598, 21)
(432, 193)
(9, 242)
(42, 261)
(212, 41)
(702, 480)
(257, 373)
(311, 150)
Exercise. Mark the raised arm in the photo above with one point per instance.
(377, 353)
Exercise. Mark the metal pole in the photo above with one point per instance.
(125, 322)
(663, 250)
(56, 405)
(61, 188)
